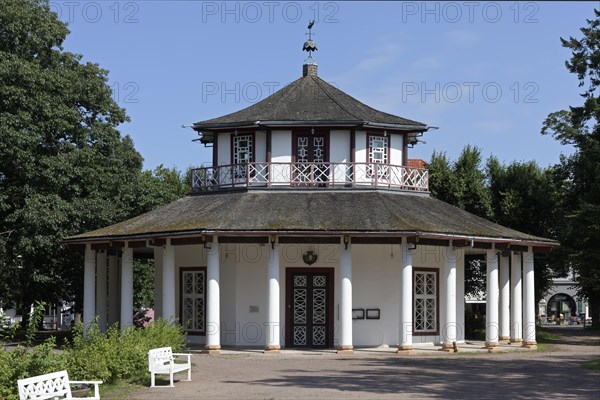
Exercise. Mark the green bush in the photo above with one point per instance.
(110, 356)
(113, 355)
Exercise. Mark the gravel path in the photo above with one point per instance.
(555, 374)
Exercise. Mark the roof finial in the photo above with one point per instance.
(310, 45)
(310, 65)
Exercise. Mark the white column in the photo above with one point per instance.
(113, 290)
(528, 301)
(89, 283)
(504, 298)
(213, 308)
(273, 326)
(168, 282)
(491, 304)
(449, 330)
(406, 300)
(101, 290)
(126, 287)
(516, 299)
(158, 282)
(345, 313)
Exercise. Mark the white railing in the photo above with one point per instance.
(309, 175)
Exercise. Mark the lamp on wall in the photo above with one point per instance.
(309, 257)
(272, 239)
(346, 241)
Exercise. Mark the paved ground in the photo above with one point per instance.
(375, 374)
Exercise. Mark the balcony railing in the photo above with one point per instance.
(309, 175)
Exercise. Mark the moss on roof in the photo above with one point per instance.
(323, 211)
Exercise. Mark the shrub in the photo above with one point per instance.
(109, 356)
(113, 355)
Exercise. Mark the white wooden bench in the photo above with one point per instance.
(162, 361)
(52, 386)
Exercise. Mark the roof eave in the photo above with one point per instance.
(212, 232)
(275, 123)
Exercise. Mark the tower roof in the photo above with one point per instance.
(309, 101)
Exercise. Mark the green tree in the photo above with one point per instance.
(463, 184)
(64, 166)
(580, 172)
(524, 197)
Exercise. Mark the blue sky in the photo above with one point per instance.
(485, 73)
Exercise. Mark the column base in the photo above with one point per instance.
(405, 350)
(213, 350)
(345, 349)
(449, 347)
(503, 338)
(492, 346)
(515, 341)
(529, 344)
(272, 349)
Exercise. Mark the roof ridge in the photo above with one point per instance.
(333, 99)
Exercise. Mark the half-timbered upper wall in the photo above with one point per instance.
(339, 146)
(260, 149)
(396, 143)
(361, 147)
(224, 148)
(281, 146)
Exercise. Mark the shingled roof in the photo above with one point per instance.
(309, 101)
(364, 212)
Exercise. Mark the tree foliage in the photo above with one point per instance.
(64, 166)
(520, 195)
(579, 173)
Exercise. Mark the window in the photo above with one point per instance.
(243, 152)
(378, 149)
(378, 154)
(425, 310)
(193, 299)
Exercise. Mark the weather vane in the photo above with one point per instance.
(310, 45)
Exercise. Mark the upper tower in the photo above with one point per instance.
(310, 134)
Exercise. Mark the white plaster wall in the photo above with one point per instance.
(251, 289)
(260, 148)
(376, 284)
(281, 146)
(339, 146)
(224, 148)
(361, 147)
(396, 142)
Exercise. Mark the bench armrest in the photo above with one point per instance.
(96, 388)
(188, 355)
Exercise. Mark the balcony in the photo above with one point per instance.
(309, 176)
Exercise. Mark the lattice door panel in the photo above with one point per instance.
(309, 309)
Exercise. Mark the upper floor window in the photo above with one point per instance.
(243, 149)
(243, 152)
(378, 149)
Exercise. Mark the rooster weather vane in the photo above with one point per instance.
(310, 45)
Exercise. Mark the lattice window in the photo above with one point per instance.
(303, 149)
(425, 301)
(243, 152)
(319, 149)
(193, 304)
(378, 149)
